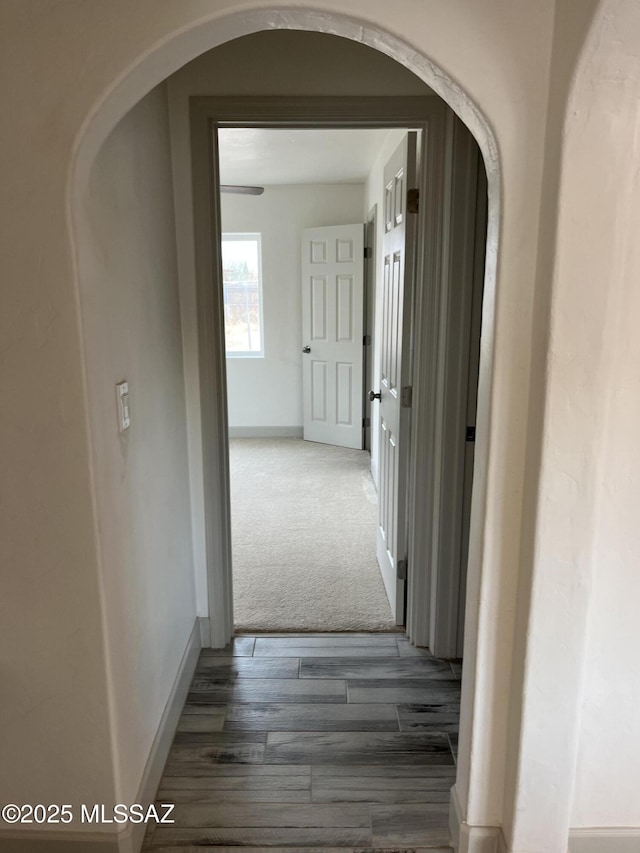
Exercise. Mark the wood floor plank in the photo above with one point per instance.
(395, 772)
(238, 774)
(312, 717)
(238, 646)
(387, 784)
(434, 718)
(380, 645)
(270, 815)
(320, 742)
(223, 849)
(197, 760)
(382, 668)
(421, 825)
(404, 691)
(244, 690)
(357, 748)
(333, 640)
(286, 837)
(211, 722)
(338, 651)
(256, 784)
(224, 738)
(202, 709)
(456, 666)
(249, 795)
(453, 740)
(246, 667)
(325, 635)
(376, 796)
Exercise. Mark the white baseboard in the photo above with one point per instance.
(205, 631)
(266, 432)
(130, 839)
(490, 839)
(611, 839)
(164, 735)
(472, 839)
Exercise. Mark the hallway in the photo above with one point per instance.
(313, 740)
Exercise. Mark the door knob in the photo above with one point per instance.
(306, 349)
(373, 396)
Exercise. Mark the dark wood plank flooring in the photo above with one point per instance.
(314, 742)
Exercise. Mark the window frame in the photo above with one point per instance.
(246, 236)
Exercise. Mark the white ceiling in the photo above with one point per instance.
(263, 157)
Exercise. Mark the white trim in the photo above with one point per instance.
(472, 839)
(443, 339)
(266, 432)
(164, 737)
(612, 839)
(455, 817)
(205, 631)
(212, 378)
(280, 112)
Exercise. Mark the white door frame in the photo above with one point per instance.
(439, 512)
(426, 336)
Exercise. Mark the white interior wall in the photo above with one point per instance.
(543, 744)
(267, 392)
(131, 316)
(595, 372)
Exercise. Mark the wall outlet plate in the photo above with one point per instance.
(122, 396)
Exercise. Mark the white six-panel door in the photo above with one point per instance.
(393, 406)
(332, 330)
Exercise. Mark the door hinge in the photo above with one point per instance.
(413, 200)
(367, 252)
(366, 422)
(471, 433)
(366, 340)
(401, 572)
(406, 396)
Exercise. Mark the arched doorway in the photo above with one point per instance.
(138, 83)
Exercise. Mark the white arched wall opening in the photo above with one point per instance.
(585, 580)
(482, 698)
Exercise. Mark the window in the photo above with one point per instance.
(242, 282)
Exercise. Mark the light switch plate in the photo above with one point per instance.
(122, 396)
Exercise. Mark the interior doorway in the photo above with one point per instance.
(208, 376)
(436, 371)
(304, 506)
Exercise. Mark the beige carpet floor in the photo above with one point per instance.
(304, 519)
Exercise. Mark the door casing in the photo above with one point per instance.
(427, 338)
